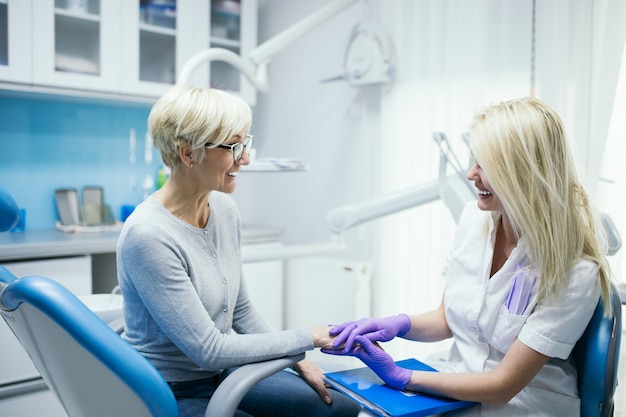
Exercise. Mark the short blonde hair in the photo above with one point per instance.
(522, 147)
(195, 116)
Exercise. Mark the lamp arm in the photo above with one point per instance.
(345, 217)
(258, 78)
(262, 54)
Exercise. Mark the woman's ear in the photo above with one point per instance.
(185, 154)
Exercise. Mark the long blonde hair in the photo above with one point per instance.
(522, 147)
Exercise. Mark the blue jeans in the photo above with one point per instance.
(283, 394)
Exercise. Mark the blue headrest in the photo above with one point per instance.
(9, 212)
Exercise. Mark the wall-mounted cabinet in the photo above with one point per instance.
(228, 24)
(75, 44)
(127, 49)
(15, 41)
(158, 39)
(234, 27)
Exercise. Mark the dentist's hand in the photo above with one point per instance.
(378, 360)
(376, 330)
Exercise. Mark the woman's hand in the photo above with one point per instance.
(314, 377)
(321, 336)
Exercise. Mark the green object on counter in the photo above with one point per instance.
(162, 176)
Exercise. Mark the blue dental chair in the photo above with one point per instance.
(86, 364)
(597, 358)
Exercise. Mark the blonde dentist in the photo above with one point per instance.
(523, 277)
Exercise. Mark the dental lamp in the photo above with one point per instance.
(454, 190)
(367, 51)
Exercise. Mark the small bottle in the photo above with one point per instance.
(162, 175)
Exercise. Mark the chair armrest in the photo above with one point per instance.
(231, 391)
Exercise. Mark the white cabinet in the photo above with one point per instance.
(15, 41)
(73, 273)
(22, 394)
(264, 281)
(156, 46)
(234, 27)
(76, 47)
(132, 49)
(38, 403)
(156, 43)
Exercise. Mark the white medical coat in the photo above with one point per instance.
(484, 329)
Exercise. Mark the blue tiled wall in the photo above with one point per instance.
(50, 143)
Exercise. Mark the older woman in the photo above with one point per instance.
(179, 266)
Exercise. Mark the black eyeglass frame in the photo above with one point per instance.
(236, 148)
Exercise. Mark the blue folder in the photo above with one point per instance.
(366, 388)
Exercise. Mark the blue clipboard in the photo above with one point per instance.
(366, 388)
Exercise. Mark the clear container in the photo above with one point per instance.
(163, 15)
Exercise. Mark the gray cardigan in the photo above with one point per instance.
(185, 303)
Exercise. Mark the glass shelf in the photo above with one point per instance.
(77, 14)
(157, 56)
(147, 27)
(225, 43)
(77, 42)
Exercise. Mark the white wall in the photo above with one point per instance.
(340, 131)
(325, 124)
(335, 126)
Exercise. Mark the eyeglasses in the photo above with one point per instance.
(236, 148)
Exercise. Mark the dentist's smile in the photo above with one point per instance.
(484, 193)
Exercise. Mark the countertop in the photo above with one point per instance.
(54, 243)
(33, 244)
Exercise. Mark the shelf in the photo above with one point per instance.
(77, 15)
(161, 30)
(225, 42)
(276, 165)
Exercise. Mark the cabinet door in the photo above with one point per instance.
(15, 41)
(74, 273)
(76, 46)
(157, 39)
(233, 26)
(264, 281)
(40, 403)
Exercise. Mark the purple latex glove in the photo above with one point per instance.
(378, 360)
(376, 330)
